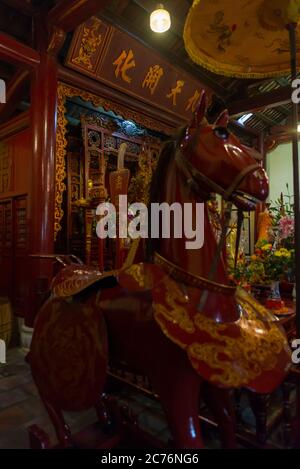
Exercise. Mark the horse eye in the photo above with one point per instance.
(221, 132)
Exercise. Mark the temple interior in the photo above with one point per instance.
(149, 224)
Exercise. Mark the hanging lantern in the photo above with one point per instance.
(160, 20)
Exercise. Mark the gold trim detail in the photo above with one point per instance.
(233, 354)
(63, 92)
(215, 66)
(176, 311)
(181, 275)
(60, 165)
(89, 43)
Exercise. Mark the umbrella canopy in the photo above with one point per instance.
(245, 38)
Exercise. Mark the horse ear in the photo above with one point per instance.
(223, 119)
(200, 111)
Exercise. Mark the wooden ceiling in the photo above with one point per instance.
(133, 16)
(268, 100)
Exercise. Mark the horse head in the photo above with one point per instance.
(214, 160)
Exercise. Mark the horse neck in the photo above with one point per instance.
(195, 261)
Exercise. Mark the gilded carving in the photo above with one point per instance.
(91, 40)
(140, 184)
(235, 353)
(64, 92)
(60, 170)
(5, 168)
(137, 274)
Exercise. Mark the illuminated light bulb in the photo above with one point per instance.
(160, 20)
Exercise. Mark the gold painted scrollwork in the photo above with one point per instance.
(236, 353)
(60, 170)
(65, 91)
(91, 40)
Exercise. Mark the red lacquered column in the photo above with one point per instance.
(43, 125)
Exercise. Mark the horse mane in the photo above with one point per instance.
(168, 152)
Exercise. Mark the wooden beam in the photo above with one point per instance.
(68, 14)
(263, 101)
(72, 78)
(265, 119)
(15, 52)
(14, 91)
(15, 125)
(248, 131)
(282, 130)
(6, 71)
(20, 5)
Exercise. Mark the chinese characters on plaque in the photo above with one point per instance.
(126, 64)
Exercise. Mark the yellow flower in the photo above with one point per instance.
(253, 257)
(266, 247)
(285, 252)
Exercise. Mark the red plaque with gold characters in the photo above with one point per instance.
(111, 56)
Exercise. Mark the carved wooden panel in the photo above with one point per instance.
(5, 169)
(87, 46)
(95, 165)
(6, 247)
(14, 251)
(20, 252)
(75, 191)
(115, 58)
(20, 225)
(88, 169)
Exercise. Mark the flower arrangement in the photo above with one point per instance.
(283, 206)
(286, 231)
(274, 257)
(284, 228)
(265, 265)
(268, 264)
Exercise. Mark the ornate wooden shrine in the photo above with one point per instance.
(90, 159)
(48, 159)
(45, 175)
(79, 90)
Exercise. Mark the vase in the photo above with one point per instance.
(274, 300)
(275, 291)
(286, 289)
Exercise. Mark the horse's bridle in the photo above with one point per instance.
(194, 179)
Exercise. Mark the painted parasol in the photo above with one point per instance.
(251, 39)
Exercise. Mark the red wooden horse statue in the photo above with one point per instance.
(174, 318)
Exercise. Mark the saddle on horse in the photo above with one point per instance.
(250, 352)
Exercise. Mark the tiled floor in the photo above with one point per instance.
(20, 405)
